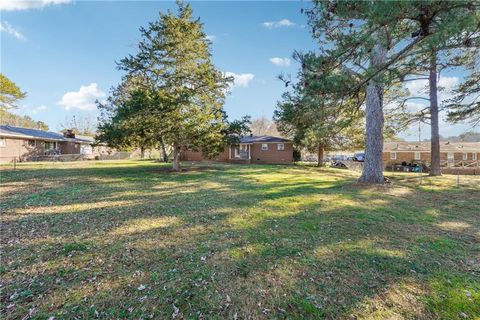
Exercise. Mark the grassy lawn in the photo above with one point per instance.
(128, 240)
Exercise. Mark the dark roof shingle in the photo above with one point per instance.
(36, 133)
(40, 134)
(262, 139)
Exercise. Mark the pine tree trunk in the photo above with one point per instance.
(373, 167)
(435, 135)
(176, 158)
(142, 152)
(320, 153)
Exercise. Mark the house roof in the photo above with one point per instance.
(445, 146)
(85, 138)
(10, 131)
(7, 130)
(262, 139)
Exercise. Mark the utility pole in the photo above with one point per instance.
(419, 131)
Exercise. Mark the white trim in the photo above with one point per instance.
(474, 156)
(417, 155)
(465, 156)
(282, 148)
(34, 143)
(393, 156)
(3, 142)
(266, 147)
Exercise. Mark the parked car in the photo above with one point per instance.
(338, 158)
(311, 158)
(359, 157)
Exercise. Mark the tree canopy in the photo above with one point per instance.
(8, 118)
(371, 46)
(318, 121)
(181, 94)
(10, 93)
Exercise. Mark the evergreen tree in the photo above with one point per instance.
(455, 28)
(185, 90)
(465, 105)
(318, 122)
(125, 123)
(372, 42)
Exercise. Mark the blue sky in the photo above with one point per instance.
(63, 54)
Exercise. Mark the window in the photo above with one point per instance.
(393, 156)
(264, 146)
(31, 143)
(417, 156)
(474, 156)
(280, 146)
(3, 142)
(450, 156)
(465, 156)
(50, 145)
(237, 151)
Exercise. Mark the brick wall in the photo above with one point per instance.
(424, 157)
(19, 148)
(69, 147)
(272, 155)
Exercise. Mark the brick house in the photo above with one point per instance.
(452, 154)
(251, 149)
(25, 144)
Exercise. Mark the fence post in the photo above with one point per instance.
(15, 163)
(458, 179)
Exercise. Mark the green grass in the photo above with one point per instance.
(125, 239)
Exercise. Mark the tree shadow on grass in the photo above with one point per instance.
(235, 241)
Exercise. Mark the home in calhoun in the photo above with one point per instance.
(23, 144)
(452, 154)
(250, 149)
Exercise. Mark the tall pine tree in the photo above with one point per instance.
(372, 41)
(188, 91)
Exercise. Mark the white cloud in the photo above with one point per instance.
(240, 80)
(9, 29)
(11, 5)
(278, 24)
(419, 88)
(211, 37)
(83, 99)
(281, 62)
(38, 109)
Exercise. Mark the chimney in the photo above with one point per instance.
(69, 134)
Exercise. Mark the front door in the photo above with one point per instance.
(450, 159)
(241, 152)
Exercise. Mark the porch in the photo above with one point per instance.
(240, 153)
